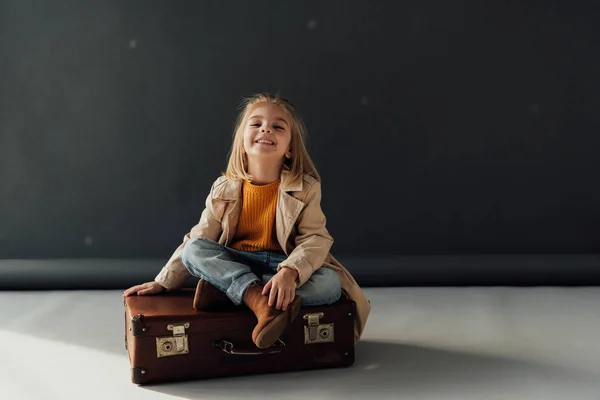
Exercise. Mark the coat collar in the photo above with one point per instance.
(227, 195)
(232, 190)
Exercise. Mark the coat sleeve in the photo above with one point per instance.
(312, 241)
(174, 274)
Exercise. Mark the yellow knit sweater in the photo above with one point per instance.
(256, 227)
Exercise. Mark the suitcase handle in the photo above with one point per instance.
(228, 348)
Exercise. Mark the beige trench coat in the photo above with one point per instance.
(307, 246)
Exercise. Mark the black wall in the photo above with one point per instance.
(438, 127)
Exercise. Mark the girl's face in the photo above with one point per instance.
(267, 133)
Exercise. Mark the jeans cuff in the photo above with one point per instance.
(238, 287)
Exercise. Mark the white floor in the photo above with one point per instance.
(420, 343)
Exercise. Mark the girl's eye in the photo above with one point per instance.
(255, 125)
(278, 127)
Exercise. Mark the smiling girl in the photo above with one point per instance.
(261, 239)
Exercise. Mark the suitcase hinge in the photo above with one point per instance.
(315, 332)
(173, 345)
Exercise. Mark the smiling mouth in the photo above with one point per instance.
(264, 142)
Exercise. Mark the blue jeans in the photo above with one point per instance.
(233, 271)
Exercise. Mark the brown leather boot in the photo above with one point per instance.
(271, 321)
(209, 298)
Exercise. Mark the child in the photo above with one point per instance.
(261, 239)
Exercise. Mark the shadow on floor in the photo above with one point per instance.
(382, 370)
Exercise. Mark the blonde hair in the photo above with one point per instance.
(300, 162)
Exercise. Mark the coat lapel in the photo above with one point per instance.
(288, 210)
(227, 206)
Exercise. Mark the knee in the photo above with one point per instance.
(194, 248)
(329, 280)
(187, 252)
(324, 287)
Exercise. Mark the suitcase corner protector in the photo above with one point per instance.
(138, 327)
(138, 375)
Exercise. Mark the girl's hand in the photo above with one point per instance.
(144, 289)
(281, 288)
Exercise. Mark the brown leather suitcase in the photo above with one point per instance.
(168, 340)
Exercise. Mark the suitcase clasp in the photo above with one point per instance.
(315, 332)
(173, 345)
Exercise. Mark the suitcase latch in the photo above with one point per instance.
(173, 345)
(315, 332)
